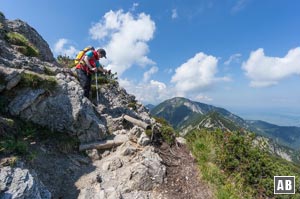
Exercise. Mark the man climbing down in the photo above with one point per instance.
(89, 64)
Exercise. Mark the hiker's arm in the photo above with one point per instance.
(87, 62)
(101, 69)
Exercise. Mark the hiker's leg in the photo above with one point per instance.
(85, 82)
(87, 86)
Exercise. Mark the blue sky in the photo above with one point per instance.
(237, 54)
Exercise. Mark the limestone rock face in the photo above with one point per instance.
(20, 183)
(34, 37)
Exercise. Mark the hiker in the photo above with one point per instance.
(89, 64)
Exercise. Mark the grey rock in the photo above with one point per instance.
(10, 76)
(23, 101)
(16, 183)
(34, 37)
(64, 111)
(130, 175)
(127, 149)
(113, 164)
(136, 131)
(2, 87)
(144, 140)
(93, 154)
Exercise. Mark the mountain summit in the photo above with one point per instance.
(180, 112)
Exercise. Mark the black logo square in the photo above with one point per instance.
(284, 184)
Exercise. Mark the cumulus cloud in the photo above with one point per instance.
(174, 14)
(148, 92)
(233, 58)
(63, 47)
(197, 74)
(266, 71)
(149, 73)
(127, 37)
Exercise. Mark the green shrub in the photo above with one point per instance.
(48, 71)
(14, 146)
(161, 121)
(148, 132)
(167, 132)
(19, 143)
(132, 105)
(231, 158)
(65, 61)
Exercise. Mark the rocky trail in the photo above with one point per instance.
(182, 180)
(70, 175)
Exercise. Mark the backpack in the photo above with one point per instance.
(81, 53)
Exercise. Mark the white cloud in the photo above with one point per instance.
(174, 14)
(197, 74)
(63, 47)
(266, 71)
(148, 92)
(233, 58)
(127, 37)
(147, 74)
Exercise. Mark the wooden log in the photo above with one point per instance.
(105, 144)
(137, 122)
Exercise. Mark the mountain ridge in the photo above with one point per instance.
(185, 114)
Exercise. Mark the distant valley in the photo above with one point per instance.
(280, 117)
(184, 114)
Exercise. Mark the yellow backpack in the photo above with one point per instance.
(81, 53)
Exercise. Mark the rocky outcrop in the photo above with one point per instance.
(20, 183)
(34, 37)
(63, 109)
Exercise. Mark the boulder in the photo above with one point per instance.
(20, 183)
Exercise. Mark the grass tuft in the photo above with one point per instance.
(35, 81)
(24, 46)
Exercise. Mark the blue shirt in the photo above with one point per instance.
(90, 55)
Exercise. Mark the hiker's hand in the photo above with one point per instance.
(94, 70)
